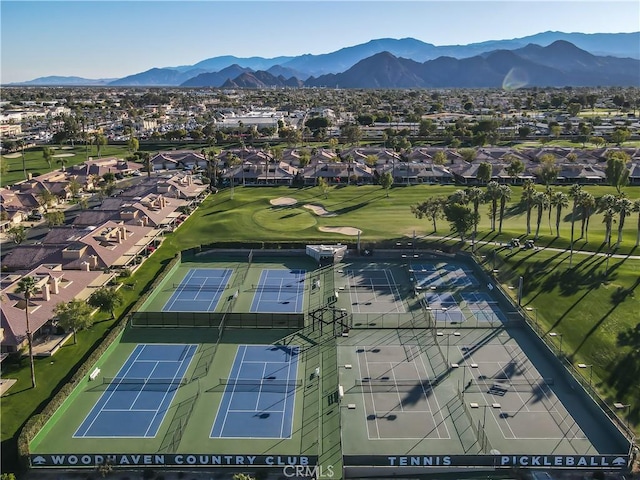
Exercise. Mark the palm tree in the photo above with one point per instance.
(505, 195)
(574, 192)
(624, 207)
(28, 287)
(21, 144)
(559, 200)
(548, 191)
(606, 206)
(475, 196)
(587, 203)
(492, 194)
(146, 161)
(528, 193)
(63, 162)
(541, 201)
(47, 154)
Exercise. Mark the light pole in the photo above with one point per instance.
(625, 406)
(442, 334)
(590, 367)
(554, 334)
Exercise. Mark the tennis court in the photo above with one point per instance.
(259, 396)
(483, 307)
(426, 276)
(371, 290)
(199, 291)
(439, 275)
(280, 291)
(397, 394)
(444, 307)
(135, 402)
(458, 276)
(496, 392)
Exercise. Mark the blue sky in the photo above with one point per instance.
(105, 39)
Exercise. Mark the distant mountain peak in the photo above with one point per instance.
(565, 52)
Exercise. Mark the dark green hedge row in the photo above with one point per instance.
(37, 422)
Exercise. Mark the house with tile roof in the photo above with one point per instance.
(55, 285)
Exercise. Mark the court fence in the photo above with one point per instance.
(215, 319)
(499, 273)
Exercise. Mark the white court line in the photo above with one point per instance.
(233, 391)
(393, 374)
(128, 410)
(394, 289)
(254, 411)
(371, 393)
(264, 374)
(364, 403)
(106, 401)
(187, 348)
(435, 397)
(287, 395)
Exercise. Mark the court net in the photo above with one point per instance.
(196, 288)
(369, 288)
(293, 288)
(144, 383)
(498, 386)
(391, 385)
(261, 385)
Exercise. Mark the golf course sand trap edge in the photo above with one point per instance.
(343, 230)
(58, 155)
(319, 210)
(283, 201)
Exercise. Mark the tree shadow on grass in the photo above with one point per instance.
(624, 375)
(515, 210)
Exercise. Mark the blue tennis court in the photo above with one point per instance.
(199, 291)
(258, 401)
(279, 291)
(426, 276)
(136, 401)
(483, 307)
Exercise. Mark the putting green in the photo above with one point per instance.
(284, 219)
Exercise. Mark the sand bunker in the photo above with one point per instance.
(343, 230)
(58, 155)
(283, 201)
(12, 155)
(318, 210)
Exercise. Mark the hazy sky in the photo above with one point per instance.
(107, 39)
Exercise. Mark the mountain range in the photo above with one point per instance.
(545, 59)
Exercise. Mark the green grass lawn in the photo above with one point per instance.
(36, 165)
(597, 315)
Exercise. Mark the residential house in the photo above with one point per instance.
(55, 285)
